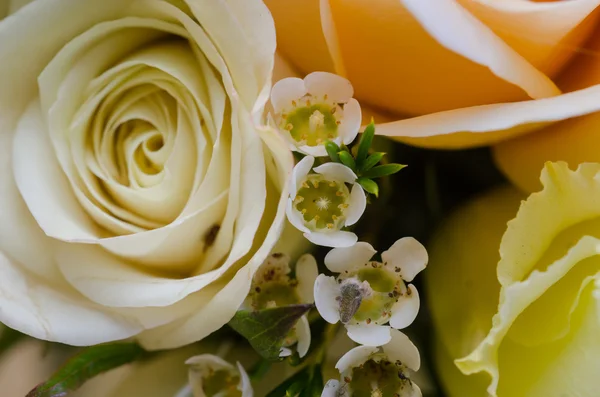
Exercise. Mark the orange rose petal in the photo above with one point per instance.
(459, 31)
(584, 69)
(489, 124)
(300, 36)
(394, 63)
(575, 141)
(546, 34)
(331, 38)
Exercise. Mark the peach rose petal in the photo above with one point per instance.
(574, 141)
(584, 70)
(300, 37)
(489, 124)
(331, 37)
(456, 29)
(375, 58)
(547, 34)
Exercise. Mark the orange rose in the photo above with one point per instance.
(462, 73)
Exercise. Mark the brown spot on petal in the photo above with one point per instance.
(211, 236)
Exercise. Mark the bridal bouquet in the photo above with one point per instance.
(208, 198)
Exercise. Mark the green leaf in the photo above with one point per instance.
(332, 150)
(266, 329)
(369, 186)
(371, 161)
(85, 365)
(366, 139)
(382, 170)
(347, 160)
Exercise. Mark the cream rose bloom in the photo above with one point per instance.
(137, 192)
(525, 307)
(462, 73)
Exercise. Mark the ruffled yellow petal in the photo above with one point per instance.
(463, 258)
(549, 275)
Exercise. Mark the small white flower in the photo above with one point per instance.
(321, 204)
(315, 110)
(377, 371)
(210, 375)
(367, 295)
(274, 286)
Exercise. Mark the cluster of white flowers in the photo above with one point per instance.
(365, 296)
(210, 375)
(274, 286)
(309, 113)
(372, 298)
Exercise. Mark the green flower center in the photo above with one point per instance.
(385, 286)
(280, 292)
(313, 124)
(222, 383)
(378, 379)
(322, 203)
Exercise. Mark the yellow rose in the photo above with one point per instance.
(454, 74)
(137, 194)
(542, 340)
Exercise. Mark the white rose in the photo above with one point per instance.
(137, 194)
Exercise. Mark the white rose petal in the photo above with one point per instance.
(134, 177)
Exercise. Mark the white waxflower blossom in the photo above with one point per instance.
(211, 376)
(315, 110)
(321, 204)
(367, 294)
(275, 284)
(377, 371)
